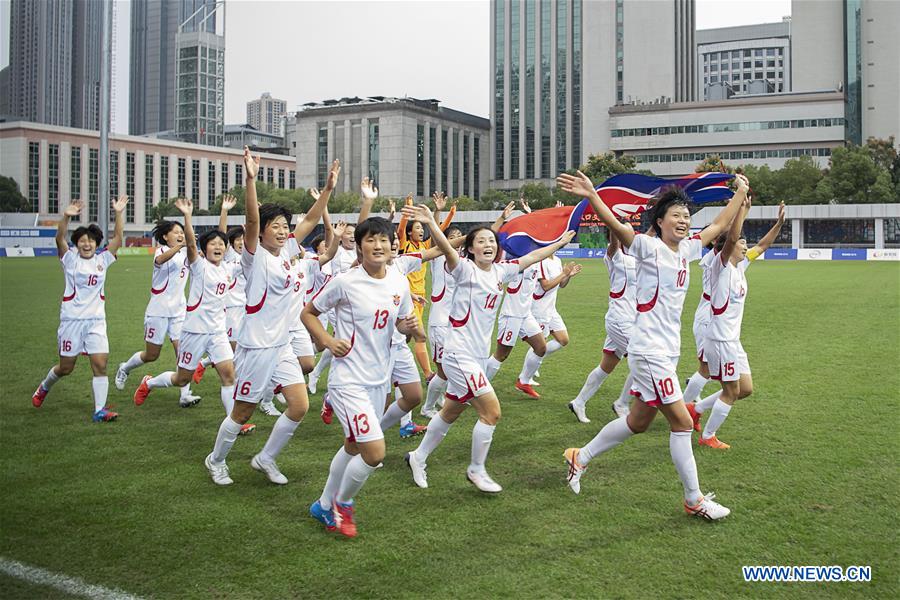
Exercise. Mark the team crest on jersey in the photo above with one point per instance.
(396, 299)
(100, 268)
(499, 286)
(683, 263)
(286, 265)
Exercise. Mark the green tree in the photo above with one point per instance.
(797, 182)
(852, 177)
(537, 195)
(600, 167)
(494, 200)
(713, 163)
(11, 199)
(763, 184)
(465, 203)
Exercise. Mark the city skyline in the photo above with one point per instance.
(422, 74)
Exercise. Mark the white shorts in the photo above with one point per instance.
(82, 336)
(233, 317)
(261, 370)
(511, 329)
(700, 337)
(301, 343)
(359, 409)
(550, 321)
(193, 346)
(617, 337)
(655, 380)
(157, 328)
(726, 360)
(436, 336)
(465, 377)
(403, 366)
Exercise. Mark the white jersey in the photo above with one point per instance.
(404, 265)
(84, 297)
(237, 296)
(474, 306)
(519, 293)
(342, 260)
(366, 312)
(545, 302)
(167, 285)
(442, 287)
(305, 270)
(206, 297)
(663, 277)
(727, 297)
(622, 269)
(702, 314)
(270, 283)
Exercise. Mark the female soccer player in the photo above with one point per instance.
(620, 316)
(412, 239)
(370, 302)
(263, 357)
(655, 345)
(205, 328)
(700, 378)
(722, 347)
(479, 279)
(82, 314)
(166, 309)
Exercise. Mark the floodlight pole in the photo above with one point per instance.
(105, 90)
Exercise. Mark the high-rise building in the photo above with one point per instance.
(266, 114)
(154, 26)
(54, 67)
(558, 66)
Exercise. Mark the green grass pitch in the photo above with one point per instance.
(812, 476)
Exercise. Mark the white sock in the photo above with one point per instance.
(593, 382)
(493, 365)
(624, 398)
(133, 363)
(436, 387)
(281, 434)
(335, 474)
(206, 361)
(708, 402)
(186, 391)
(530, 366)
(227, 395)
(552, 346)
(718, 415)
(683, 458)
(406, 419)
(100, 387)
(228, 432)
(52, 378)
(355, 475)
(694, 387)
(482, 435)
(392, 416)
(323, 363)
(612, 434)
(437, 429)
(163, 380)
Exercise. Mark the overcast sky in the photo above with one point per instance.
(304, 51)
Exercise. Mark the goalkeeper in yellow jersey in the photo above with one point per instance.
(412, 240)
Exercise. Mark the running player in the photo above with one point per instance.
(620, 316)
(82, 313)
(263, 357)
(479, 279)
(204, 325)
(165, 311)
(370, 302)
(655, 344)
(727, 360)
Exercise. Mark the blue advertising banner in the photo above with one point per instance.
(848, 254)
(781, 254)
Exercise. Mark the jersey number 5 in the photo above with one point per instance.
(381, 318)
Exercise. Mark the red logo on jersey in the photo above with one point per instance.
(396, 299)
(499, 286)
(286, 265)
(683, 263)
(299, 275)
(100, 268)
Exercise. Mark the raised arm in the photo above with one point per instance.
(62, 228)
(581, 185)
(432, 253)
(251, 226)
(734, 232)
(228, 202)
(424, 216)
(613, 246)
(328, 230)
(190, 240)
(333, 243)
(727, 214)
(118, 234)
(367, 195)
(401, 226)
(769, 238)
(504, 216)
(309, 222)
(449, 218)
(440, 201)
(540, 254)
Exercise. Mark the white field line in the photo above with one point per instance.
(69, 585)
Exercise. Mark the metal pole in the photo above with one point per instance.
(105, 89)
